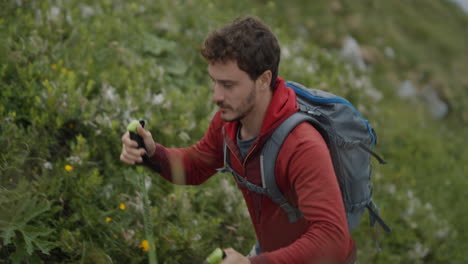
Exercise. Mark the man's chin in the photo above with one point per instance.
(229, 118)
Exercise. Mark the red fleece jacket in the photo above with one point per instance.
(304, 173)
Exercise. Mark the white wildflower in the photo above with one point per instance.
(161, 72)
(197, 237)
(167, 104)
(418, 251)
(74, 160)
(442, 232)
(299, 61)
(128, 234)
(158, 99)
(86, 11)
(359, 83)
(107, 190)
(286, 52)
(351, 52)
(374, 94)
(147, 183)
(54, 13)
(230, 194)
(47, 165)
(389, 52)
(184, 136)
(438, 106)
(407, 89)
(428, 206)
(191, 125)
(413, 204)
(391, 188)
(109, 93)
(38, 17)
(310, 68)
(410, 194)
(69, 19)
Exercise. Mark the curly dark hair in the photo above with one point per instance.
(249, 42)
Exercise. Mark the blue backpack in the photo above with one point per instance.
(350, 139)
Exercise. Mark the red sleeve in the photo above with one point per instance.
(310, 172)
(195, 164)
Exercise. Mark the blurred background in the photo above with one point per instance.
(74, 73)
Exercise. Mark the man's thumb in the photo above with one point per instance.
(141, 131)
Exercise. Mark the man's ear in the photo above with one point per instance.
(265, 79)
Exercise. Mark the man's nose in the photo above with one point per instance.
(218, 95)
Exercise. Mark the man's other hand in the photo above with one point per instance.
(234, 257)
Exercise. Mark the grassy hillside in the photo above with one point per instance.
(74, 73)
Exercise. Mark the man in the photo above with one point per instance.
(243, 59)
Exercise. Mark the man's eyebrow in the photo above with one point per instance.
(223, 81)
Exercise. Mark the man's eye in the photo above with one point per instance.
(227, 85)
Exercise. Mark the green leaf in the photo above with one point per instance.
(31, 236)
(19, 255)
(7, 232)
(177, 67)
(157, 46)
(31, 209)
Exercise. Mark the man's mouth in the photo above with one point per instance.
(223, 107)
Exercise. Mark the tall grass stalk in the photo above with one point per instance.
(147, 220)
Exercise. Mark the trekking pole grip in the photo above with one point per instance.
(215, 257)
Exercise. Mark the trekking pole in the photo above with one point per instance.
(148, 225)
(215, 257)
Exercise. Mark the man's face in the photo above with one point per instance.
(233, 90)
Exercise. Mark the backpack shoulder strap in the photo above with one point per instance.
(268, 162)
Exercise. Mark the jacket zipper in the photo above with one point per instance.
(235, 156)
(246, 157)
(245, 175)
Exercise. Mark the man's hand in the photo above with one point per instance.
(130, 152)
(234, 257)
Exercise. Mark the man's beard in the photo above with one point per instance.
(244, 109)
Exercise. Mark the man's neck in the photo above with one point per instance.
(252, 123)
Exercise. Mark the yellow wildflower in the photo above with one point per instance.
(122, 206)
(116, 236)
(108, 219)
(64, 70)
(68, 168)
(144, 245)
(53, 66)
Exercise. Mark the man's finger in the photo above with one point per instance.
(133, 153)
(127, 160)
(229, 251)
(141, 131)
(127, 141)
(130, 158)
